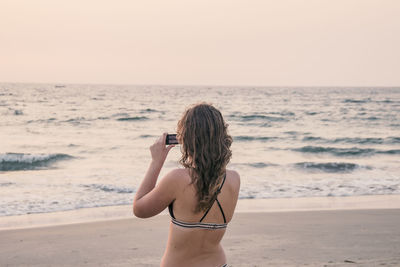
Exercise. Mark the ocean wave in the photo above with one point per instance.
(358, 101)
(120, 114)
(147, 136)
(257, 117)
(103, 118)
(137, 118)
(331, 167)
(341, 190)
(295, 133)
(6, 184)
(21, 161)
(76, 120)
(109, 188)
(372, 118)
(386, 101)
(254, 164)
(42, 120)
(259, 165)
(256, 124)
(322, 188)
(149, 110)
(394, 140)
(262, 117)
(18, 112)
(353, 140)
(389, 152)
(353, 151)
(282, 113)
(313, 138)
(253, 138)
(359, 140)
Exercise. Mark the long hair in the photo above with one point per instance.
(203, 134)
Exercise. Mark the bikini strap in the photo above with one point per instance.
(219, 205)
(223, 181)
(222, 211)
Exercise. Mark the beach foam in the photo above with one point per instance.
(243, 206)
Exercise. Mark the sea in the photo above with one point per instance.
(73, 146)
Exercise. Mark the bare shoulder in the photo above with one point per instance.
(176, 176)
(234, 178)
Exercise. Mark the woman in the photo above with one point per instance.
(201, 197)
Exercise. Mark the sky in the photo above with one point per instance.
(185, 42)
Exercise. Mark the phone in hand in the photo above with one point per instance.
(171, 139)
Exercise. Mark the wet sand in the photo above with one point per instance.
(360, 237)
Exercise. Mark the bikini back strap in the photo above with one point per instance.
(219, 205)
(222, 211)
(223, 181)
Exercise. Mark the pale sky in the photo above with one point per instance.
(202, 42)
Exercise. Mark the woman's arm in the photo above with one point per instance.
(151, 199)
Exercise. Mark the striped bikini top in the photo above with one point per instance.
(200, 224)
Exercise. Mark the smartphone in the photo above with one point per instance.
(171, 139)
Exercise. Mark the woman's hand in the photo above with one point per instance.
(159, 151)
(142, 205)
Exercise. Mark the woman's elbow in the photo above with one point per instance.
(138, 211)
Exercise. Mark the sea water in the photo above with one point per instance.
(66, 147)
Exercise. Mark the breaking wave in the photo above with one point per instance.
(343, 152)
(243, 138)
(109, 188)
(22, 161)
(138, 118)
(331, 167)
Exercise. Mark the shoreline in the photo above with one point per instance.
(110, 213)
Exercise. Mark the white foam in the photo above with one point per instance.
(26, 158)
(244, 205)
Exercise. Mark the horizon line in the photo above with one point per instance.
(205, 85)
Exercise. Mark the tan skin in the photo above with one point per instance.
(185, 247)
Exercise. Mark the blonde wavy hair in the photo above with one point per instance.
(206, 151)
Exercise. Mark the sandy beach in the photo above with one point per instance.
(296, 103)
(330, 237)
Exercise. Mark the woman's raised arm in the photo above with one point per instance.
(151, 199)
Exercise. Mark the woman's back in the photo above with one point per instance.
(197, 246)
(201, 197)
